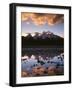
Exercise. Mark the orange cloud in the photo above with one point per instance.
(26, 16)
(41, 19)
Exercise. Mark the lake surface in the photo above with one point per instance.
(42, 61)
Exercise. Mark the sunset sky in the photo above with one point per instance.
(38, 22)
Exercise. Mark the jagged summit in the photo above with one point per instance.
(44, 38)
(43, 35)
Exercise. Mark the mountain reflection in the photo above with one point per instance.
(42, 62)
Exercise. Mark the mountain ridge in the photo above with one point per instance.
(43, 35)
(44, 38)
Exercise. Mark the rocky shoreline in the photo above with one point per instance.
(55, 67)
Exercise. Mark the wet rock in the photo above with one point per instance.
(59, 71)
(24, 74)
(38, 71)
(51, 70)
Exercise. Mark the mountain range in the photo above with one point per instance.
(44, 38)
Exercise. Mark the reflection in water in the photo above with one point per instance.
(42, 62)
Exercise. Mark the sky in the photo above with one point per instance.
(38, 22)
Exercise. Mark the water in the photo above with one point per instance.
(48, 61)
